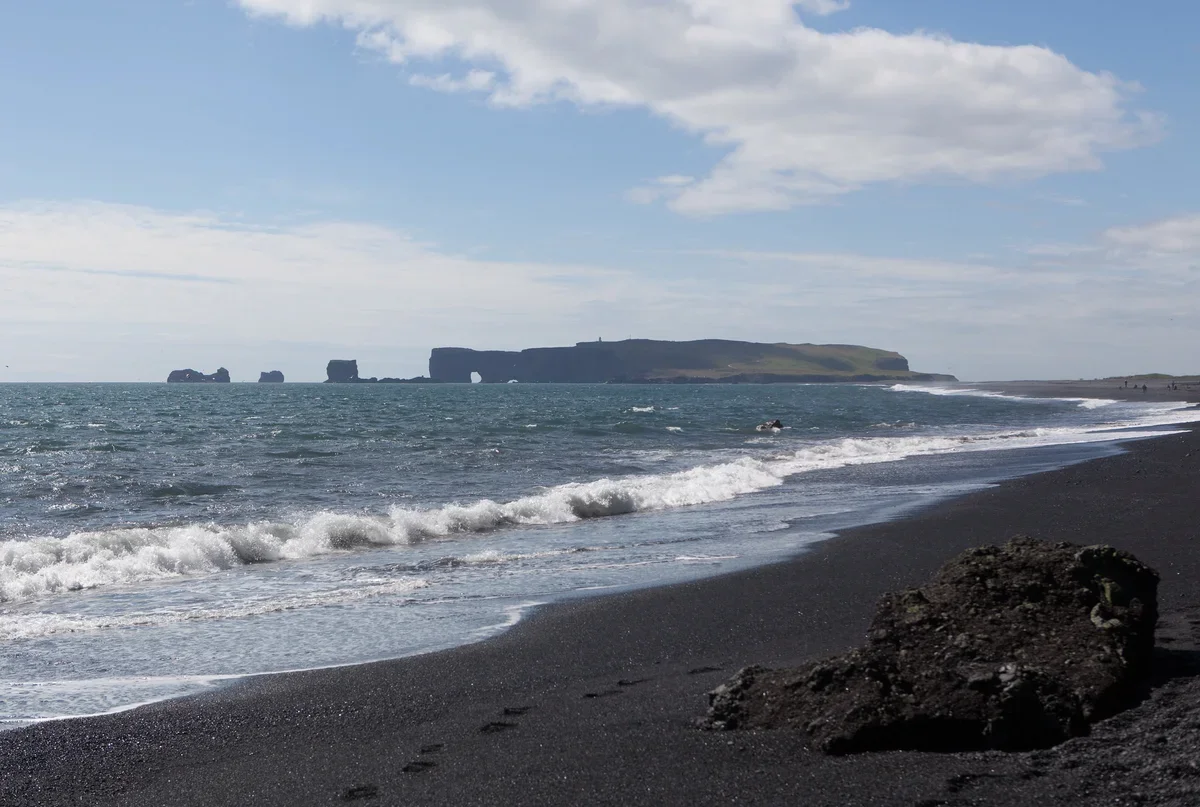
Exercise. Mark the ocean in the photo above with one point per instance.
(157, 540)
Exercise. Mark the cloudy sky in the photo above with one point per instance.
(995, 189)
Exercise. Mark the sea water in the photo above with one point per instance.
(158, 539)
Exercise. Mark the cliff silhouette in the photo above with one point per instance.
(653, 361)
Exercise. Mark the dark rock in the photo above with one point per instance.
(270, 377)
(1014, 647)
(342, 371)
(345, 371)
(221, 376)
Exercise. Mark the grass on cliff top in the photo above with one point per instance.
(721, 359)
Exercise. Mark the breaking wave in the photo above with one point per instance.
(1084, 403)
(38, 567)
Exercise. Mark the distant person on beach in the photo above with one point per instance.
(1143, 388)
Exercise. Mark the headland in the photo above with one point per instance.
(649, 361)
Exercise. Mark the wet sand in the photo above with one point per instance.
(593, 701)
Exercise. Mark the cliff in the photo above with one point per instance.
(698, 362)
(221, 376)
(270, 377)
(341, 371)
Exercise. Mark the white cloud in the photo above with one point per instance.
(799, 115)
(658, 188)
(111, 292)
(1168, 247)
(1174, 236)
(823, 7)
(85, 271)
(1066, 318)
(474, 81)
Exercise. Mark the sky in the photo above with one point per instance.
(997, 190)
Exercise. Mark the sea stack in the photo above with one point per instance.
(190, 376)
(341, 371)
(270, 377)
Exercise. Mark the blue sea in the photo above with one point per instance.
(157, 540)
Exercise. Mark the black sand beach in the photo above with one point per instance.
(593, 701)
(1186, 389)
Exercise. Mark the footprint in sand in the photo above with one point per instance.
(420, 765)
(496, 726)
(359, 792)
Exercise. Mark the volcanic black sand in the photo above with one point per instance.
(593, 701)
(1186, 389)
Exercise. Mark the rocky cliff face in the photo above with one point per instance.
(270, 377)
(892, 363)
(221, 376)
(702, 361)
(561, 364)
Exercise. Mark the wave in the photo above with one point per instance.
(968, 391)
(1092, 403)
(1084, 403)
(43, 566)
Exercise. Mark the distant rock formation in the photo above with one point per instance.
(270, 377)
(345, 371)
(698, 362)
(221, 376)
(341, 371)
(1014, 647)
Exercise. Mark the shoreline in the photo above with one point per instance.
(591, 700)
(1003, 467)
(1188, 389)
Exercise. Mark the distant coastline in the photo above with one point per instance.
(648, 361)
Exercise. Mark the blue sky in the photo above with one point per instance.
(997, 190)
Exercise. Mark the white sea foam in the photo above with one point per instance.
(641, 409)
(1084, 403)
(38, 567)
(103, 695)
(968, 391)
(1092, 403)
(33, 625)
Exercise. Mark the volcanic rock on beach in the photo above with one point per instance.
(221, 376)
(1014, 647)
